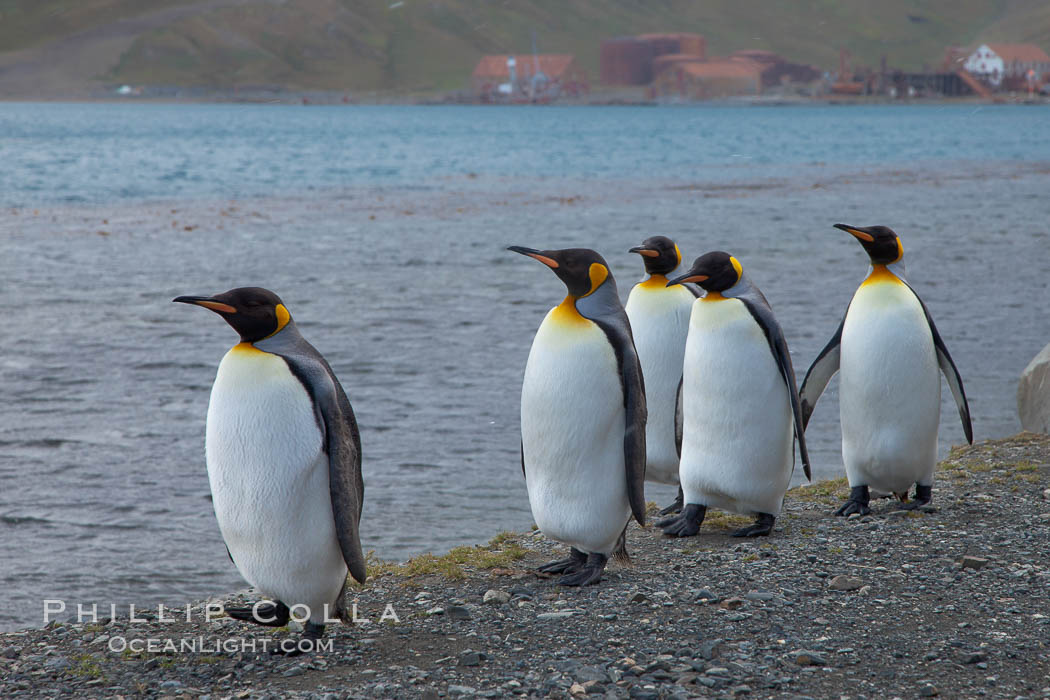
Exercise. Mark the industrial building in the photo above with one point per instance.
(630, 60)
(527, 78)
(1010, 66)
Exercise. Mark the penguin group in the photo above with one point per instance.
(689, 383)
(694, 385)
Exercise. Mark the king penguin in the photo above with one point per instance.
(284, 464)
(740, 403)
(889, 355)
(659, 318)
(583, 419)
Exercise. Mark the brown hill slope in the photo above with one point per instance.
(77, 46)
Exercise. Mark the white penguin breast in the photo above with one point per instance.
(889, 392)
(660, 323)
(269, 480)
(737, 448)
(572, 429)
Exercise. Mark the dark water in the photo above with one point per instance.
(384, 230)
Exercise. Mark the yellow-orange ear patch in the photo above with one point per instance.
(678, 253)
(738, 267)
(598, 274)
(283, 317)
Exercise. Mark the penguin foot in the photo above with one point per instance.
(307, 644)
(859, 497)
(266, 614)
(923, 495)
(589, 574)
(763, 526)
(675, 507)
(686, 524)
(574, 563)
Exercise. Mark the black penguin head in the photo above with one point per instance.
(581, 269)
(883, 245)
(254, 312)
(715, 272)
(660, 254)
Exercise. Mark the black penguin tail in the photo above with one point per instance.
(620, 553)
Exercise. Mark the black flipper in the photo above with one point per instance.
(341, 439)
(679, 422)
(763, 315)
(604, 309)
(951, 373)
(820, 373)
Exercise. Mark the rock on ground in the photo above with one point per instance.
(1033, 394)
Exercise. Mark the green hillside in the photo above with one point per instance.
(432, 45)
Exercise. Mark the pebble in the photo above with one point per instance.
(969, 562)
(458, 612)
(809, 658)
(496, 597)
(731, 603)
(470, 658)
(845, 583)
(555, 615)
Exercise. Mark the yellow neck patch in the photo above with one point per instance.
(713, 296)
(598, 274)
(245, 348)
(565, 313)
(654, 282)
(880, 274)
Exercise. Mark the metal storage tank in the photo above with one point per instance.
(626, 61)
(662, 43)
(693, 44)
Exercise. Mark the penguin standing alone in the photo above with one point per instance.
(583, 419)
(889, 355)
(284, 464)
(659, 317)
(740, 406)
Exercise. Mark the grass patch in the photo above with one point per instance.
(725, 521)
(502, 550)
(830, 491)
(86, 666)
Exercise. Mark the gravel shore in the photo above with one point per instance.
(950, 601)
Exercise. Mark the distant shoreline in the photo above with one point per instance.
(309, 99)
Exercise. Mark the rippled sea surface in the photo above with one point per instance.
(384, 229)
